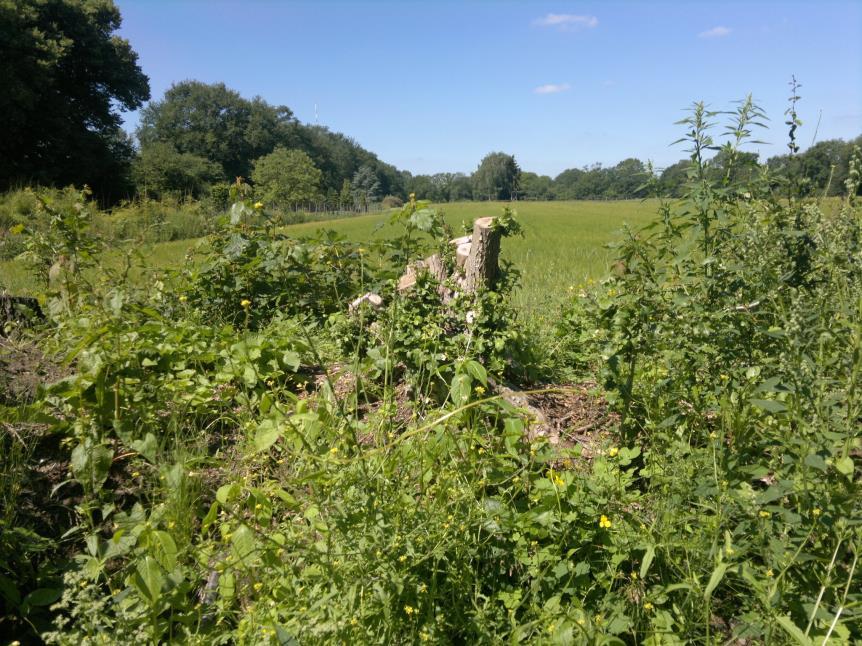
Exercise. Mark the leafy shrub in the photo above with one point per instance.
(730, 341)
(392, 202)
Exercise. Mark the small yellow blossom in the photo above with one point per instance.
(816, 512)
(613, 452)
(258, 586)
(354, 622)
(333, 450)
(581, 621)
(409, 610)
(183, 298)
(647, 606)
(605, 522)
(425, 636)
(245, 303)
(770, 573)
(258, 205)
(402, 558)
(423, 588)
(479, 390)
(171, 525)
(136, 474)
(634, 576)
(764, 514)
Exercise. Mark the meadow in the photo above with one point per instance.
(564, 244)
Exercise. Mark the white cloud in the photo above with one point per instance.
(565, 21)
(715, 32)
(551, 88)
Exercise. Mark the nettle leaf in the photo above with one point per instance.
(714, 580)
(268, 432)
(148, 580)
(460, 389)
(768, 405)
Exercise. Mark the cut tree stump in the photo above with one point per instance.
(482, 265)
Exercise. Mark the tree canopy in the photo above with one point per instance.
(286, 177)
(497, 177)
(65, 77)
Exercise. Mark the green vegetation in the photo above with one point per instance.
(564, 243)
(226, 452)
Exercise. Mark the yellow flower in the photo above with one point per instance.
(245, 303)
(647, 606)
(425, 636)
(413, 197)
(770, 573)
(634, 576)
(136, 474)
(605, 522)
(816, 512)
(409, 610)
(402, 558)
(354, 621)
(258, 586)
(479, 390)
(183, 298)
(613, 452)
(333, 450)
(764, 514)
(423, 588)
(258, 205)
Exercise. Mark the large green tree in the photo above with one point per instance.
(216, 123)
(160, 170)
(497, 177)
(287, 178)
(65, 77)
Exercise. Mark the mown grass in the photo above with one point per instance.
(563, 246)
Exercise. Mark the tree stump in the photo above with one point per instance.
(482, 265)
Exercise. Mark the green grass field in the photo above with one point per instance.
(564, 244)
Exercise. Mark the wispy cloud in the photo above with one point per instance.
(715, 32)
(551, 88)
(566, 21)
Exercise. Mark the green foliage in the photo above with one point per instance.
(286, 178)
(497, 177)
(159, 171)
(65, 76)
(248, 271)
(240, 473)
(729, 340)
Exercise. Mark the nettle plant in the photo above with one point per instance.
(249, 271)
(730, 339)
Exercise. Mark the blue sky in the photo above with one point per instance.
(433, 87)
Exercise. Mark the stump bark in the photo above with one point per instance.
(482, 265)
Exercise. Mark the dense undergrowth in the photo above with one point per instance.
(249, 462)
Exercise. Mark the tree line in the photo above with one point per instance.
(67, 76)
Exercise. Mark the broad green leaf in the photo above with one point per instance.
(793, 631)
(715, 579)
(649, 555)
(148, 579)
(845, 465)
(42, 597)
(266, 435)
(460, 389)
(768, 405)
